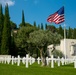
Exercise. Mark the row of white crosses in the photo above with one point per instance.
(59, 61)
(25, 60)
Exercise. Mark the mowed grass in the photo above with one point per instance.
(36, 69)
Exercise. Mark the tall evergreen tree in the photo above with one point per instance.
(38, 26)
(46, 26)
(1, 24)
(23, 19)
(69, 33)
(74, 33)
(61, 31)
(6, 37)
(66, 33)
(34, 23)
(42, 26)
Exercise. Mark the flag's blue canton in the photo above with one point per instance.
(61, 11)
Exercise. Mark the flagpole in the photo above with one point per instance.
(64, 36)
(65, 40)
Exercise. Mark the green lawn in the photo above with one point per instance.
(36, 69)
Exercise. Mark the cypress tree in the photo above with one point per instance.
(66, 33)
(61, 31)
(34, 23)
(74, 33)
(46, 26)
(6, 37)
(23, 18)
(42, 26)
(38, 26)
(1, 24)
(70, 33)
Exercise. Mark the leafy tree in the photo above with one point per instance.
(1, 24)
(6, 37)
(51, 28)
(43, 38)
(22, 40)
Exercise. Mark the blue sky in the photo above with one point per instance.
(39, 10)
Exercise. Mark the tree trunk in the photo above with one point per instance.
(42, 57)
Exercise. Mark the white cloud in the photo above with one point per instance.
(10, 2)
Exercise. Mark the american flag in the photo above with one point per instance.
(57, 17)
